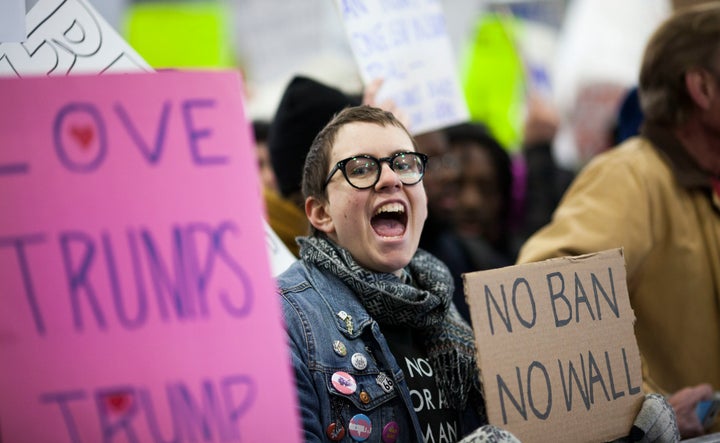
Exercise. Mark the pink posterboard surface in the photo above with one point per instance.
(137, 300)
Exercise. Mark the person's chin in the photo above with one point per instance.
(392, 261)
(469, 231)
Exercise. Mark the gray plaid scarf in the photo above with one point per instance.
(425, 305)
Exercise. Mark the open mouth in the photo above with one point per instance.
(389, 220)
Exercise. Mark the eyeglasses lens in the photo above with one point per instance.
(408, 167)
(361, 171)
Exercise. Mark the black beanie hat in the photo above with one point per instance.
(305, 108)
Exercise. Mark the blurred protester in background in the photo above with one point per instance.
(542, 181)
(488, 215)
(439, 236)
(481, 190)
(477, 219)
(591, 75)
(267, 174)
(658, 197)
(484, 195)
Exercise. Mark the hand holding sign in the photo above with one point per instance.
(556, 348)
(407, 45)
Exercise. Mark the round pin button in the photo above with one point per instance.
(335, 432)
(390, 432)
(344, 382)
(339, 348)
(358, 361)
(360, 427)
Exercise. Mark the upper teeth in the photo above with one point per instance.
(390, 207)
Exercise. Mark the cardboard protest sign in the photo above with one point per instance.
(64, 37)
(556, 348)
(137, 301)
(407, 44)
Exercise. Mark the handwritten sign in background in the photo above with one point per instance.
(68, 37)
(137, 299)
(407, 44)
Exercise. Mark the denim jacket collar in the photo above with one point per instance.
(328, 285)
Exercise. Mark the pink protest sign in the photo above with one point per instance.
(137, 300)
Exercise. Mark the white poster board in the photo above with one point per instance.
(68, 37)
(407, 44)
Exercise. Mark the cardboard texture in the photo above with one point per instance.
(556, 348)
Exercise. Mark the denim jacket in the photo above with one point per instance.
(327, 326)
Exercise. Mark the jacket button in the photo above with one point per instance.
(364, 397)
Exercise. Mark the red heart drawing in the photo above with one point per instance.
(118, 402)
(83, 135)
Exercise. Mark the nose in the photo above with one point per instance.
(470, 198)
(388, 177)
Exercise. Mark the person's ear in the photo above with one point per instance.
(319, 217)
(702, 87)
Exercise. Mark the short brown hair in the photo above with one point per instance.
(317, 162)
(689, 39)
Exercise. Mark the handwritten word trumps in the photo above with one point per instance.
(556, 347)
(177, 286)
(133, 264)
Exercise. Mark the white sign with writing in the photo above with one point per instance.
(407, 44)
(68, 37)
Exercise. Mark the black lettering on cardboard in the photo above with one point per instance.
(560, 294)
(597, 287)
(520, 407)
(568, 387)
(530, 389)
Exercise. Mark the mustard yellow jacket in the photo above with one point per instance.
(648, 197)
(286, 219)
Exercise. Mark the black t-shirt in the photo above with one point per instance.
(439, 423)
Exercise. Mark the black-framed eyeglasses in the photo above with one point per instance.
(363, 171)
